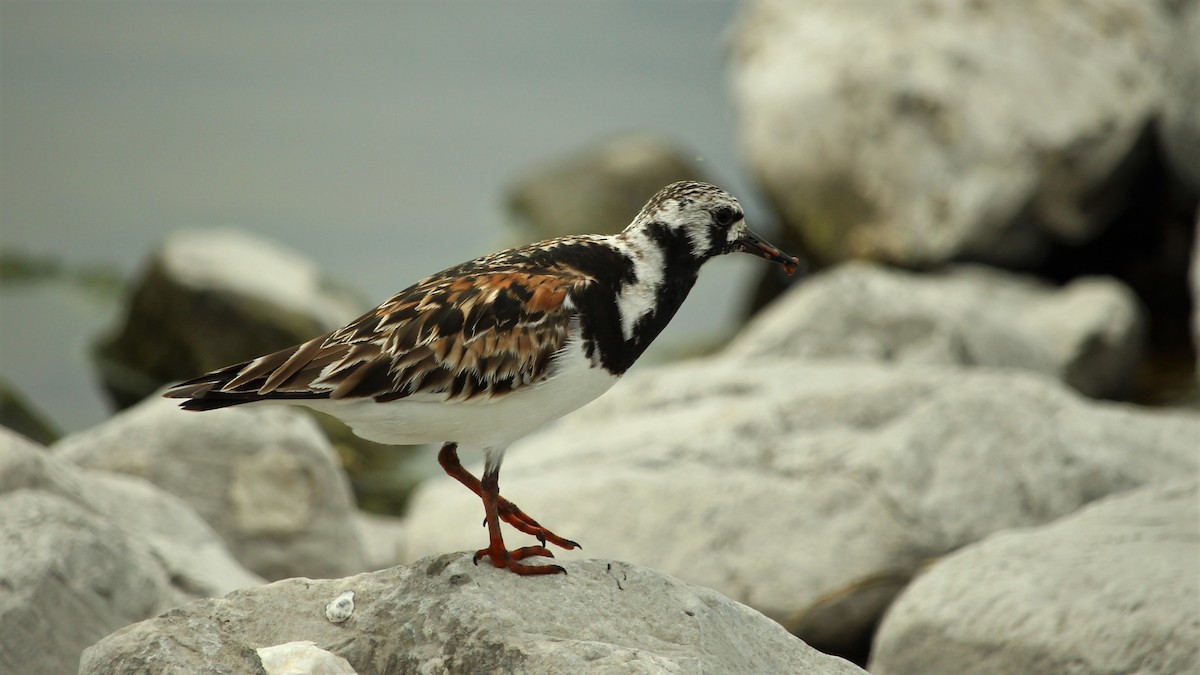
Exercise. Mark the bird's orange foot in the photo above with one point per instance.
(500, 557)
(513, 515)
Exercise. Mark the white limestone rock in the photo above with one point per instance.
(238, 263)
(444, 614)
(86, 553)
(302, 658)
(265, 478)
(812, 491)
(190, 549)
(920, 132)
(1114, 588)
(1088, 334)
(70, 578)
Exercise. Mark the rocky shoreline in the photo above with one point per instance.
(933, 454)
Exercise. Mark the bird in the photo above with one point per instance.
(487, 351)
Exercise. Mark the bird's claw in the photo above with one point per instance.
(509, 560)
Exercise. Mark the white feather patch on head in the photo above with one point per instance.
(700, 238)
(737, 231)
(689, 214)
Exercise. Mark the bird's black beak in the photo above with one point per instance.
(752, 243)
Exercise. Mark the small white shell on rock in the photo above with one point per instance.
(302, 658)
(340, 608)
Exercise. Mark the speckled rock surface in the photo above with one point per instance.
(1113, 589)
(444, 614)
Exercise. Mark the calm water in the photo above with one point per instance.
(376, 138)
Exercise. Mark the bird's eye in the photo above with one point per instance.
(725, 216)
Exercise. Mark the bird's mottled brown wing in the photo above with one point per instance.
(480, 329)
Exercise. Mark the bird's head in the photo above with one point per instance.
(702, 221)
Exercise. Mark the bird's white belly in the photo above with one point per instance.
(481, 422)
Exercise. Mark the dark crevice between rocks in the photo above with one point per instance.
(1148, 246)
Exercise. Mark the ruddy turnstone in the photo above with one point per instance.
(485, 352)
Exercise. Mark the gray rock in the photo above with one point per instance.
(812, 491)
(920, 132)
(85, 553)
(1112, 589)
(209, 298)
(188, 547)
(1179, 125)
(1087, 334)
(69, 578)
(599, 189)
(264, 478)
(191, 552)
(443, 614)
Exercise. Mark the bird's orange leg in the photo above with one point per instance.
(496, 552)
(505, 510)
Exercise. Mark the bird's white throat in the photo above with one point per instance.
(636, 298)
